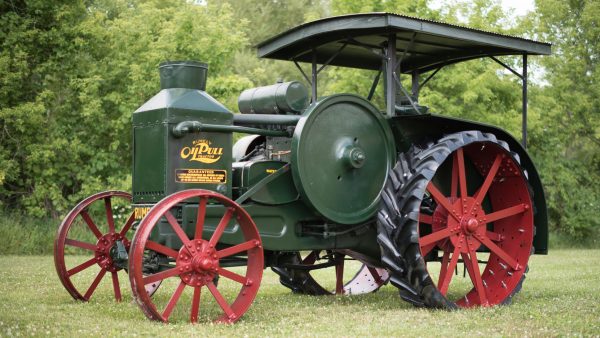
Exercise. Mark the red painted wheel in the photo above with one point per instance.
(195, 262)
(462, 223)
(467, 199)
(311, 275)
(89, 244)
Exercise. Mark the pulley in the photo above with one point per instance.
(342, 150)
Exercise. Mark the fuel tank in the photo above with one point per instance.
(164, 163)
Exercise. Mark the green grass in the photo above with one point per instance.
(561, 296)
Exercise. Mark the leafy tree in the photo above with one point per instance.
(37, 40)
(265, 19)
(566, 142)
(76, 72)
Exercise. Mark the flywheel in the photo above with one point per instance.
(342, 151)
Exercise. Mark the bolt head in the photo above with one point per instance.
(472, 225)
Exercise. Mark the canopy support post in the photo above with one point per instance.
(374, 85)
(524, 122)
(415, 84)
(390, 62)
(523, 77)
(314, 76)
(303, 73)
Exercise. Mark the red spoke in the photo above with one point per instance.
(311, 258)
(161, 275)
(462, 176)
(109, 215)
(195, 305)
(454, 183)
(427, 249)
(494, 236)
(220, 300)
(86, 217)
(476, 275)
(434, 237)
(467, 264)
(339, 276)
(200, 217)
(441, 199)
(232, 250)
(151, 245)
(444, 268)
(221, 227)
(173, 301)
(499, 252)
(127, 225)
(427, 219)
(79, 244)
(178, 230)
(444, 283)
(94, 285)
(81, 267)
(116, 287)
(232, 275)
(504, 213)
(488, 179)
(375, 275)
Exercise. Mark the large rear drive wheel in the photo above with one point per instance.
(311, 274)
(196, 262)
(89, 244)
(464, 199)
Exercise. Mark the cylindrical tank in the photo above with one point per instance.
(183, 74)
(280, 98)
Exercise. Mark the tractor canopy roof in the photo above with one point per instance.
(358, 41)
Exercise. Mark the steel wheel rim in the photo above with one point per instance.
(100, 249)
(197, 261)
(460, 224)
(367, 279)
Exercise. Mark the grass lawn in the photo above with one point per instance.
(561, 296)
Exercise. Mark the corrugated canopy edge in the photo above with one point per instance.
(357, 41)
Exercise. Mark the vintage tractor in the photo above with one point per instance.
(320, 184)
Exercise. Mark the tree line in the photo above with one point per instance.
(73, 71)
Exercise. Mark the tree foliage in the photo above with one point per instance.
(566, 141)
(73, 71)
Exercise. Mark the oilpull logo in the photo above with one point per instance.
(201, 151)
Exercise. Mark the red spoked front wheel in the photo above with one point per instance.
(195, 263)
(91, 242)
